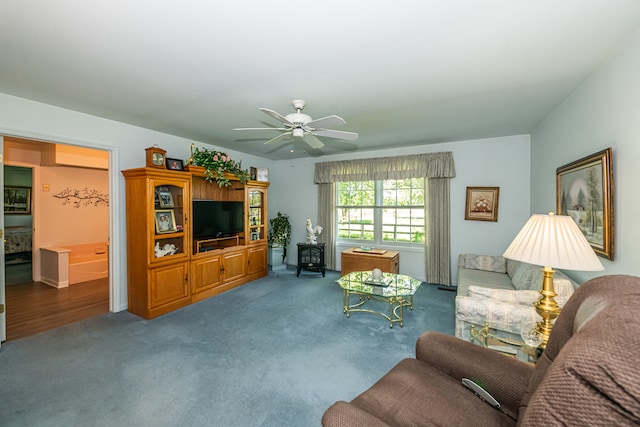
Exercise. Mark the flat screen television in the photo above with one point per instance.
(214, 219)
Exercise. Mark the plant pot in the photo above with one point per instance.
(275, 258)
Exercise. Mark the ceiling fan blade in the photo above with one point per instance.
(278, 138)
(312, 141)
(327, 122)
(338, 134)
(276, 116)
(280, 129)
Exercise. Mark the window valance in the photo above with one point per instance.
(428, 165)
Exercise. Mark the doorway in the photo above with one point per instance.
(18, 224)
(69, 208)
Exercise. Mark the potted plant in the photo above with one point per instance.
(217, 165)
(279, 238)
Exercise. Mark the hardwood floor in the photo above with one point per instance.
(34, 307)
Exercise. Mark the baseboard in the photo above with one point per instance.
(448, 288)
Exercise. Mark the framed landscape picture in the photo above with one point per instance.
(482, 204)
(584, 191)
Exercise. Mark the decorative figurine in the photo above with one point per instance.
(167, 249)
(312, 232)
(190, 160)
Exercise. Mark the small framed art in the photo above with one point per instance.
(482, 204)
(165, 199)
(175, 164)
(165, 221)
(262, 174)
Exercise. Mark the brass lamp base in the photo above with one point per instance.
(546, 306)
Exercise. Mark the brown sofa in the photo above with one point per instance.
(588, 374)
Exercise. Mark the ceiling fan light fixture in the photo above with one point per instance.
(302, 126)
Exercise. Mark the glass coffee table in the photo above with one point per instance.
(517, 349)
(395, 289)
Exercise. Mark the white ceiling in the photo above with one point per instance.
(400, 73)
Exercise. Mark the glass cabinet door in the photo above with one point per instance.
(257, 214)
(169, 220)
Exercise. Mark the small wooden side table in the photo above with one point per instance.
(311, 258)
(356, 259)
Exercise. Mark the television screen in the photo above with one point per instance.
(212, 219)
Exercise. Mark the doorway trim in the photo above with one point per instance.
(116, 274)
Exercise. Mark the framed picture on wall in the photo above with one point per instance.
(584, 191)
(482, 204)
(17, 200)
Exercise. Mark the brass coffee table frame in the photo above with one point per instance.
(485, 338)
(398, 294)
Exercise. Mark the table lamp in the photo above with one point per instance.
(552, 241)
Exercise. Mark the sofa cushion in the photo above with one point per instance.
(468, 277)
(497, 264)
(523, 275)
(519, 296)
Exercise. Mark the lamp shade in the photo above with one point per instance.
(553, 241)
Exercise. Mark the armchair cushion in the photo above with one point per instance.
(416, 394)
(505, 378)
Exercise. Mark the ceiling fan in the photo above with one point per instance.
(299, 125)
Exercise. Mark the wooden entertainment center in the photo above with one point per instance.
(166, 267)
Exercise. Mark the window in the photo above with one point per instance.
(390, 211)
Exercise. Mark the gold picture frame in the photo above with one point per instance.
(482, 204)
(166, 199)
(165, 221)
(584, 191)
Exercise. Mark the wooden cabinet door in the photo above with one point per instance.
(233, 265)
(168, 284)
(257, 260)
(205, 274)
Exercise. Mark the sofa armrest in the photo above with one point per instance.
(505, 378)
(342, 414)
(497, 314)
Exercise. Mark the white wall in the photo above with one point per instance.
(494, 162)
(603, 112)
(32, 120)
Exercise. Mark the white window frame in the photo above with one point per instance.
(377, 220)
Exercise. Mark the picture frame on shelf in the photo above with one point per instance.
(165, 221)
(262, 174)
(253, 173)
(482, 204)
(166, 199)
(175, 164)
(584, 191)
(17, 200)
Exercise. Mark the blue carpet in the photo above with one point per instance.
(275, 352)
